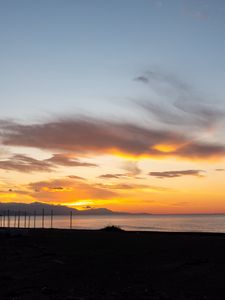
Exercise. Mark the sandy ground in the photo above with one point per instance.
(85, 265)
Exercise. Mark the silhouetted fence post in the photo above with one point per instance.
(71, 219)
(34, 218)
(43, 218)
(29, 221)
(14, 220)
(25, 219)
(3, 218)
(18, 219)
(51, 219)
(8, 219)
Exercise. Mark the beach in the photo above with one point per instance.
(95, 264)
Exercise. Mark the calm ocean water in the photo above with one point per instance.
(177, 223)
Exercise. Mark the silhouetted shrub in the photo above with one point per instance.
(112, 228)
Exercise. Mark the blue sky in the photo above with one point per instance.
(61, 57)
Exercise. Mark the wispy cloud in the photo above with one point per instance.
(76, 177)
(179, 105)
(111, 176)
(85, 135)
(74, 190)
(219, 170)
(132, 168)
(186, 121)
(24, 163)
(57, 190)
(68, 160)
(132, 186)
(174, 174)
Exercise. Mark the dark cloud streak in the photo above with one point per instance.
(175, 174)
(65, 160)
(111, 176)
(81, 136)
(24, 163)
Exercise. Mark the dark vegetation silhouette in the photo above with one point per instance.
(112, 228)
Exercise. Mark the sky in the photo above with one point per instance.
(115, 104)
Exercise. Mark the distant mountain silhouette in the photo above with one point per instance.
(57, 209)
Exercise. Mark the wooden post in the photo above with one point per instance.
(43, 218)
(0, 220)
(3, 218)
(51, 219)
(28, 221)
(18, 219)
(15, 220)
(34, 218)
(8, 225)
(25, 219)
(71, 219)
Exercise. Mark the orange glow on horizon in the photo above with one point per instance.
(138, 192)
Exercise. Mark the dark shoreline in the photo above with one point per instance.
(94, 264)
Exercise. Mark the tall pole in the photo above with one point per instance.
(25, 219)
(18, 219)
(3, 218)
(34, 218)
(51, 219)
(43, 218)
(71, 219)
(8, 218)
(29, 221)
(15, 220)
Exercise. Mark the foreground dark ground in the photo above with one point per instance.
(85, 265)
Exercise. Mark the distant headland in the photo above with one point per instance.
(38, 207)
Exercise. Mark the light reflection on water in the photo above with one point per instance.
(178, 223)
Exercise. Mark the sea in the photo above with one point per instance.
(167, 223)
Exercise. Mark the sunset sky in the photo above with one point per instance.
(115, 104)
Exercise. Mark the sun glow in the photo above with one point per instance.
(79, 204)
(166, 148)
